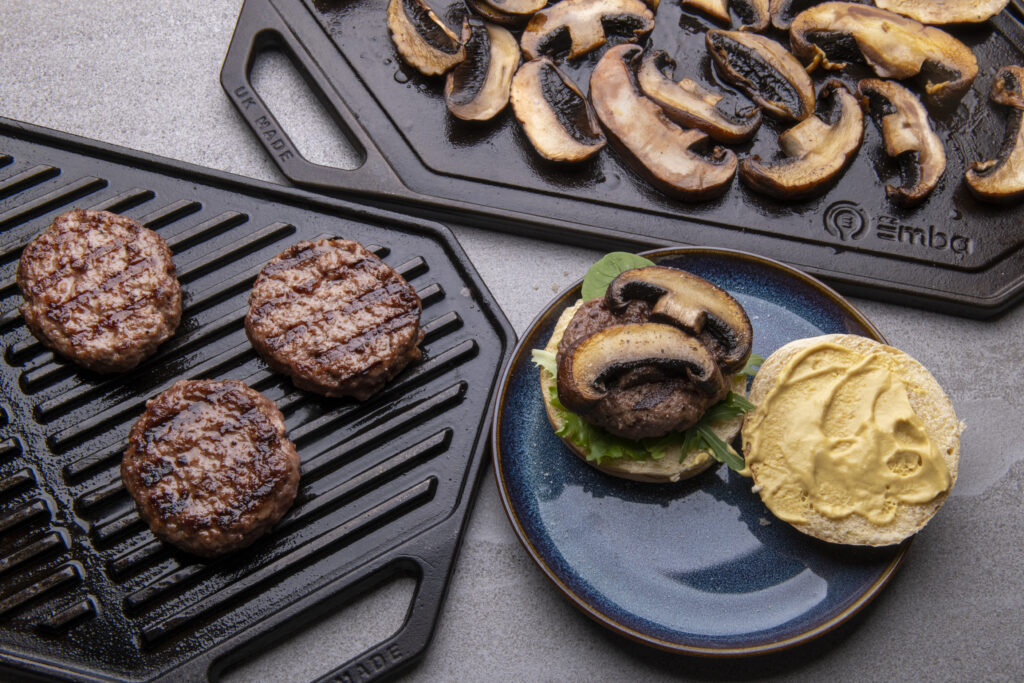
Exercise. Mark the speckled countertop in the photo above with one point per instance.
(146, 76)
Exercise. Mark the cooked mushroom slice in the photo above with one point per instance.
(908, 137)
(658, 149)
(691, 105)
(423, 40)
(692, 303)
(497, 17)
(756, 14)
(517, 6)
(554, 113)
(584, 23)
(834, 33)
(819, 148)
(938, 12)
(764, 70)
(783, 11)
(716, 9)
(606, 356)
(477, 88)
(1002, 179)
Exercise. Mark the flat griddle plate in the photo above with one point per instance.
(85, 589)
(953, 253)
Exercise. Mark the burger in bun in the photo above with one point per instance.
(645, 377)
(852, 441)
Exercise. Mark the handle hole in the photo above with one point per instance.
(337, 631)
(317, 135)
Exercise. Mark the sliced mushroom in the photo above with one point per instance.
(764, 70)
(423, 40)
(494, 16)
(783, 11)
(939, 12)
(599, 360)
(477, 88)
(584, 23)
(517, 6)
(756, 14)
(908, 137)
(834, 33)
(716, 9)
(818, 149)
(555, 115)
(658, 149)
(691, 105)
(692, 303)
(1002, 179)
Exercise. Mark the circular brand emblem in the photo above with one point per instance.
(845, 221)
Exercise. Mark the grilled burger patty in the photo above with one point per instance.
(334, 317)
(209, 466)
(643, 402)
(100, 289)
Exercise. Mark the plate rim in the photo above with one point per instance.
(633, 634)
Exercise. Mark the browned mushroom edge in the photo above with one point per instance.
(764, 70)
(835, 33)
(1002, 179)
(818, 149)
(658, 149)
(691, 105)
(693, 304)
(908, 138)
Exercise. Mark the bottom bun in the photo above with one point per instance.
(663, 470)
(846, 525)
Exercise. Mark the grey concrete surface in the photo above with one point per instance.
(145, 75)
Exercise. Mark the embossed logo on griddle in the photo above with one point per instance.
(846, 221)
(890, 229)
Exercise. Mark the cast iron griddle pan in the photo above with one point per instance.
(86, 591)
(953, 253)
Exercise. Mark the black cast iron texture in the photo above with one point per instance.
(953, 253)
(86, 590)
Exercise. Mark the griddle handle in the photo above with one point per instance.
(410, 642)
(260, 27)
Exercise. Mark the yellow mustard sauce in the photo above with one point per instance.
(837, 434)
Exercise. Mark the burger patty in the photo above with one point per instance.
(643, 402)
(99, 289)
(335, 318)
(209, 466)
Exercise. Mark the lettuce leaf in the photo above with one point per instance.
(601, 274)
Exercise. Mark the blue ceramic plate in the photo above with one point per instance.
(701, 566)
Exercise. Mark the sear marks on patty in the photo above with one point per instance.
(99, 289)
(335, 318)
(643, 402)
(209, 466)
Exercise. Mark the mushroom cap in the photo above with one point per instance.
(555, 115)
(817, 151)
(908, 136)
(422, 39)
(764, 70)
(654, 146)
(689, 302)
(586, 22)
(691, 105)
(893, 45)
